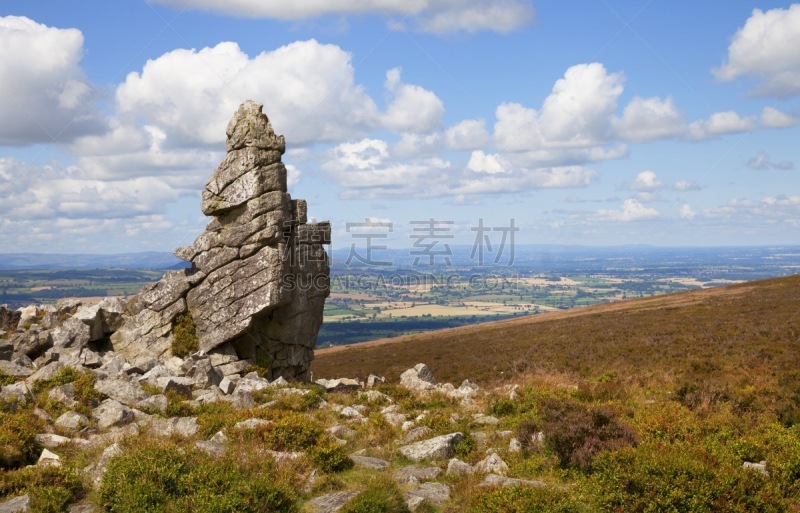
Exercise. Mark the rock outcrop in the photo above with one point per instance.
(259, 275)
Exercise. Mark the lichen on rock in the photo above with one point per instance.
(259, 274)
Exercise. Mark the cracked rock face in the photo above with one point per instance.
(259, 274)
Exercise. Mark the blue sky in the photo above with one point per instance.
(587, 122)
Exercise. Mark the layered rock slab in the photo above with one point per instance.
(259, 274)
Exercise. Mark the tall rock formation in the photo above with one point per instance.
(259, 274)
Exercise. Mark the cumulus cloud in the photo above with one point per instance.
(631, 210)
(53, 191)
(773, 118)
(469, 134)
(766, 48)
(436, 16)
(648, 119)
(686, 212)
(646, 181)
(761, 161)
(576, 113)
(413, 108)
(310, 89)
(770, 210)
(721, 123)
(44, 94)
(369, 169)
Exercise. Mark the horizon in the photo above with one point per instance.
(611, 125)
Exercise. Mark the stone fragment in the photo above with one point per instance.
(456, 467)
(414, 474)
(71, 421)
(437, 493)
(16, 505)
(496, 480)
(760, 467)
(331, 502)
(438, 448)
(492, 464)
(419, 378)
(370, 463)
(51, 440)
(49, 459)
(112, 413)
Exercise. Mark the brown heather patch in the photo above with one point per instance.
(745, 335)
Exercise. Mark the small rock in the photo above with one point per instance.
(49, 459)
(416, 433)
(112, 413)
(158, 402)
(252, 424)
(339, 385)
(16, 505)
(414, 474)
(760, 467)
(419, 378)
(227, 385)
(71, 421)
(342, 431)
(495, 480)
(485, 420)
(492, 464)
(216, 446)
(373, 380)
(121, 390)
(51, 441)
(332, 502)
(514, 446)
(350, 413)
(14, 370)
(180, 385)
(370, 463)
(438, 448)
(437, 493)
(456, 467)
(18, 392)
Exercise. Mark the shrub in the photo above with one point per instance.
(331, 457)
(576, 433)
(83, 385)
(527, 429)
(291, 432)
(184, 335)
(50, 488)
(18, 439)
(502, 407)
(381, 496)
(519, 499)
(155, 476)
(465, 447)
(679, 477)
(5, 379)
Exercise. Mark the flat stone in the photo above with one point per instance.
(370, 463)
(414, 474)
(71, 421)
(438, 448)
(16, 505)
(496, 480)
(332, 502)
(51, 440)
(437, 493)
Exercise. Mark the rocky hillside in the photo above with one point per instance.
(681, 403)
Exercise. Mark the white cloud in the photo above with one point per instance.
(470, 134)
(413, 145)
(576, 114)
(768, 211)
(483, 163)
(53, 191)
(686, 212)
(412, 109)
(648, 119)
(44, 94)
(766, 48)
(646, 181)
(437, 16)
(562, 177)
(632, 210)
(721, 123)
(308, 90)
(773, 118)
(686, 185)
(761, 161)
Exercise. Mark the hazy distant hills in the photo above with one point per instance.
(146, 260)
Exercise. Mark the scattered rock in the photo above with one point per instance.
(492, 464)
(49, 459)
(51, 441)
(495, 480)
(252, 424)
(370, 463)
(339, 385)
(418, 378)
(112, 413)
(14, 370)
(438, 448)
(215, 446)
(158, 402)
(414, 474)
(332, 502)
(16, 505)
(416, 433)
(760, 467)
(437, 493)
(71, 421)
(456, 467)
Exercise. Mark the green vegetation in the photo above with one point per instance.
(381, 496)
(523, 499)
(184, 335)
(18, 445)
(51, 489)
(158, 476)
